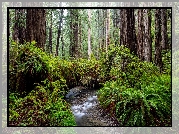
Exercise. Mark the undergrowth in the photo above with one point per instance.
(36, 89)
(134, 92)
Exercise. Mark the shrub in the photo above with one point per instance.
(37, 88)
(148, 106)
(135, 92)
(40, 107)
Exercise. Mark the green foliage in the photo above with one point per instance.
(135, 92)
(30, 65)
(40, 108)
(80, 72)
(120, 63)
(166, 59)
(149, 105)
(37, 88)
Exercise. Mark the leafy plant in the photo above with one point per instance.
(41, 108)
(135, 92)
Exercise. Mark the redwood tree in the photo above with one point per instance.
(164, 41)
(36, 28)
(158, 47)
(144, 45)
(18, 34)
(127, 29)
(74, 46)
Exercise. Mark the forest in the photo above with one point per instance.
(124, 54)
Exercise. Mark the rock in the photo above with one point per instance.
(74, 92)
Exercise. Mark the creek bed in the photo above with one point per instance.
(86, 109)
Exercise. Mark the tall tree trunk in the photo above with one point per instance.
(59, 31)
(80, 36)
(164, 41)
(158, 47)
(116, 24)
(107, 29)
(147, 36)
(50, 33)
(19, 26)
(144, 46)
(140, 34)
(15, 33)
(123, 27)
(104, 29)
(131, 34)
(63, 53)
(127, 29)
(89, 33)
(98, 27)
(74, 52)
(36, 28)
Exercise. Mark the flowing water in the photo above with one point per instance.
(86, 109)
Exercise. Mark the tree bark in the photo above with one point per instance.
(19, 26)
(144, 46)
(89, 33)
(147, 36)
(59, 31)
(74, 52)
(164, 41)
(158, 47)
(127, 30)
(36, 28)
(107, 29)
(50, 33)
(140, 34)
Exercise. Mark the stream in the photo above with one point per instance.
(86, 109)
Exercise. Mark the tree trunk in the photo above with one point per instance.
(116, 24)
(59, 31)
(89, 33)
(144, 46)
(19, 26)
(63, 53)
(147, 36)
(127, 29)
(36, 28)
(104, 29)
(107, 29)
(123, 27)
(140, 34)
(164, 41)
(158, 47)
(50, 34)
(80, 36)
(74, 52)
(131, 34)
